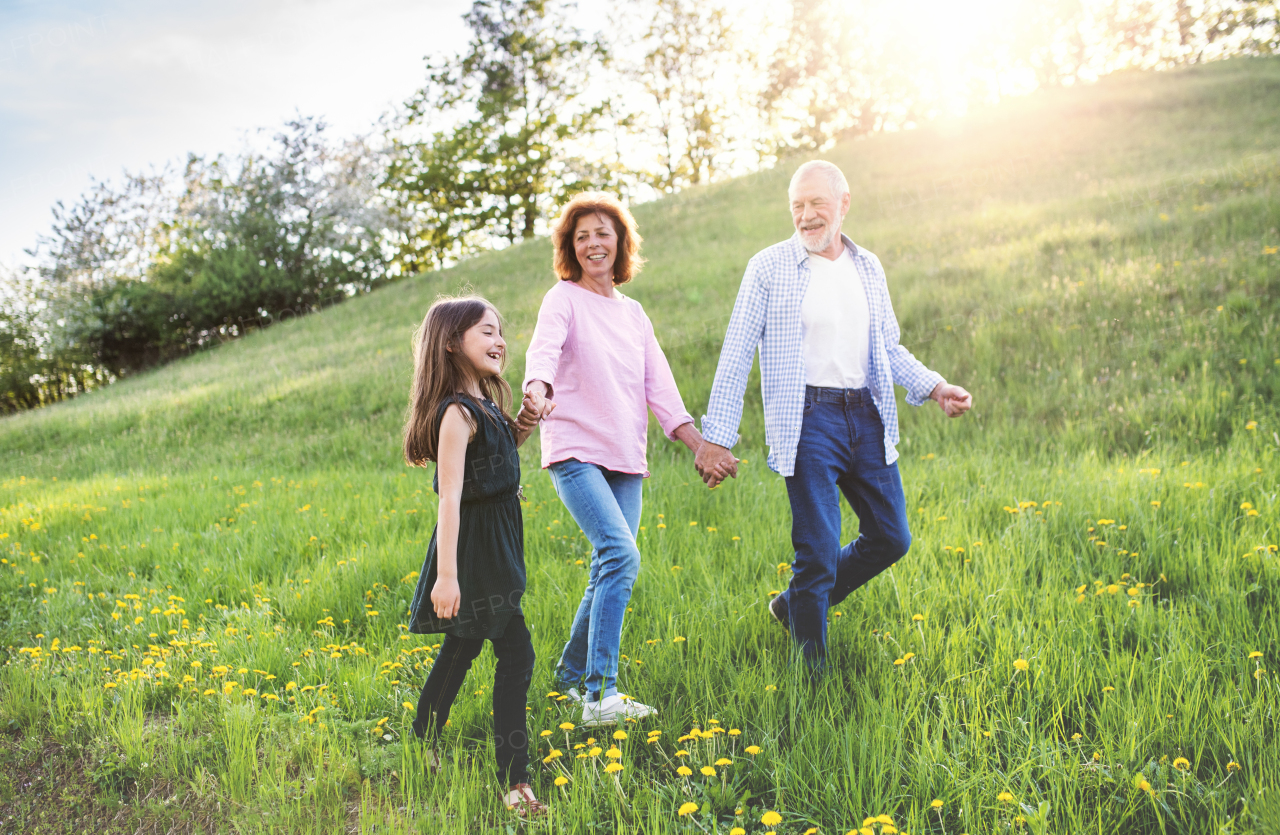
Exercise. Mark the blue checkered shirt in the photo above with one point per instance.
(767, 315)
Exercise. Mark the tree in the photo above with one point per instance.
(838, 73)
(31, 373)
(510, 103)
(688, 73)
(140, 273)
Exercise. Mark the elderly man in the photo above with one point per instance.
(817, 306)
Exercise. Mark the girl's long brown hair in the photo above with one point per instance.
(439, 373)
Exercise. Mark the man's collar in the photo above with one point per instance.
(801, 254)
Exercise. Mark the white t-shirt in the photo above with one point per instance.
(837, 324)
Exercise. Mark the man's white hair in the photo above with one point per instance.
(829, 171)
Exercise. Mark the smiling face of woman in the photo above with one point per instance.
(595, 243)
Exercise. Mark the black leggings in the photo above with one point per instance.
(511, 679)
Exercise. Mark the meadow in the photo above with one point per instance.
(205, 569)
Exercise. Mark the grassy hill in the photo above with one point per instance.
(1098, 265)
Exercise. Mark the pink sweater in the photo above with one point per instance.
(605, 369)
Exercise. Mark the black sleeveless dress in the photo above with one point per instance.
(491, 573)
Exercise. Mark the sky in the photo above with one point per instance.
(93, 88)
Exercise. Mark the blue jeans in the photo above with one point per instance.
(606, 505)
(841, 451)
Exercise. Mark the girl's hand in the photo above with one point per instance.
(529, 412)
(446, 597)
(533, 408)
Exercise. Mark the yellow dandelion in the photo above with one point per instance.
(687, 809)
(753, 749)
(619, 735)
(1021, 665)
(935, 804)
(708, 771)
(771, 819)
(613, 768)
(1233, 766)
(1004, 797)
(684, 771)
(1255, 654)
(566, 726)
(723, 761)
(1182, 764)
(562, 780)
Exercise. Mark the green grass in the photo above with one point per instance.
(1097, 265)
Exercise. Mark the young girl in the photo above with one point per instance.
(473, 577)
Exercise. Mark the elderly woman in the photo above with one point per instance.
(594, 352)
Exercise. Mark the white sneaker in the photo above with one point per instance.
(574, 695)
(612, 709)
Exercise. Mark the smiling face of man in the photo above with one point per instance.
(817, 212)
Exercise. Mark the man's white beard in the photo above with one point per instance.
(824, 242)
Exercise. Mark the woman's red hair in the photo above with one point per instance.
(627, 262)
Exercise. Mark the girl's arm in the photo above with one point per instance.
(451, 454)
(523, 431)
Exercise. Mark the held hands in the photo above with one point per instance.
(535, 406)
(446, 597)
(715, 463)
(953, 400)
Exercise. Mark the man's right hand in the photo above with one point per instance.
(715, 463)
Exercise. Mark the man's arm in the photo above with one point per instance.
(724, 410)
(920, 382)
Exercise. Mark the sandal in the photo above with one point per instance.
(521, 800)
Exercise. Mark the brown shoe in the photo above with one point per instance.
(778, 609)
(521, 800)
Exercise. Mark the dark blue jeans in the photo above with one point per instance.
(841, 451)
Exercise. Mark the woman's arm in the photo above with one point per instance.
(451, 455)
(542, 360)
(660, 390)
(687, 434)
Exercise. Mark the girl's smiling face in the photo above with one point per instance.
(483, 346)
(595, 243)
